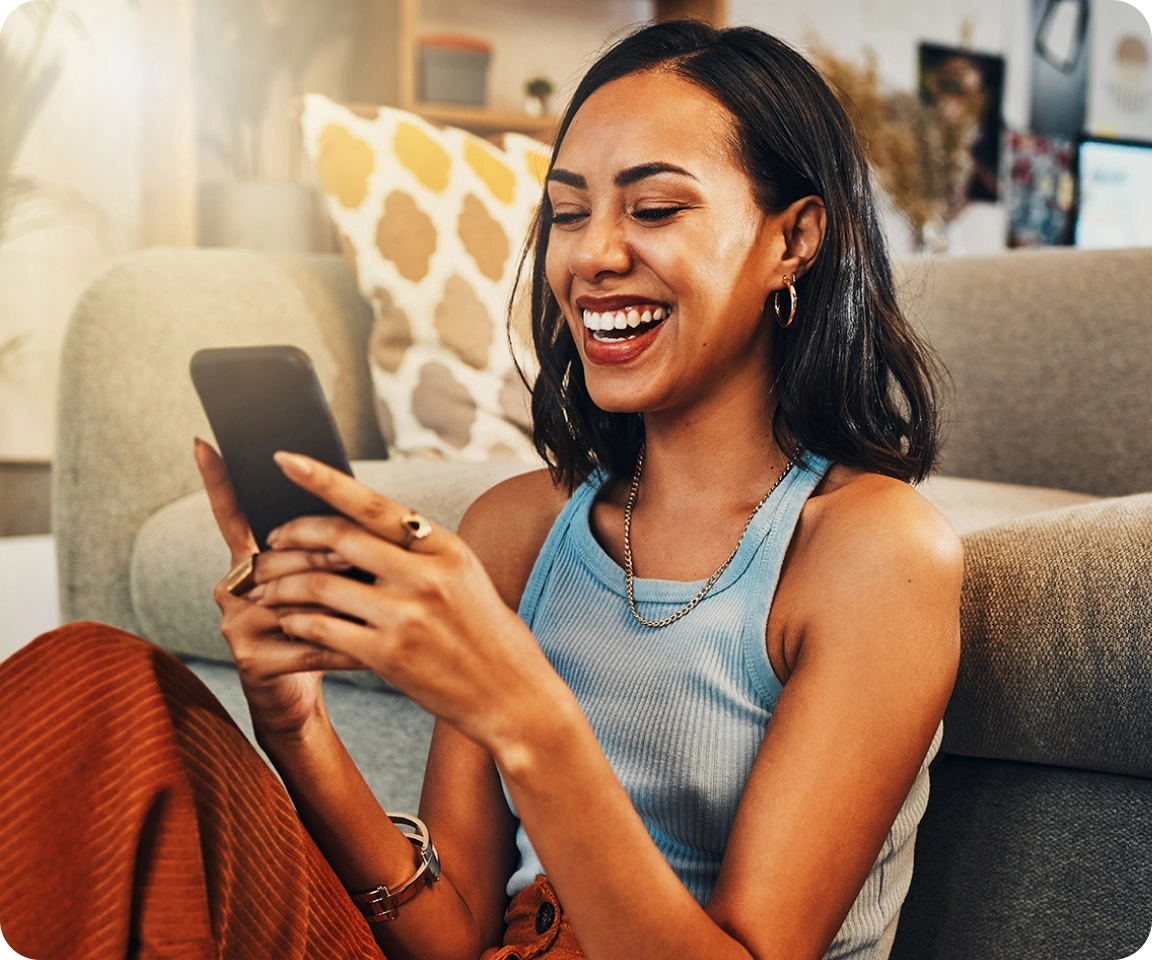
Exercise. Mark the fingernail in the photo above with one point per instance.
(273, 537)
(291, 462)
(257, 592)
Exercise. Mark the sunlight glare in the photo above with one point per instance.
(7, 7)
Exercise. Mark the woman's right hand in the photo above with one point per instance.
(281, 677)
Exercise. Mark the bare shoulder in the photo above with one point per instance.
(507, 525)
(873, 518)
(874, 571)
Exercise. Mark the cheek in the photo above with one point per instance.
(556, 268)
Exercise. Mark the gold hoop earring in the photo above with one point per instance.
(793, 301)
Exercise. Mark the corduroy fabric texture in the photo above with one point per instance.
(536, 926)
(1057, 631)
(139, 822)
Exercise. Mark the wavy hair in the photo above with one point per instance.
(852, 381)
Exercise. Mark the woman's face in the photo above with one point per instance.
(659, 256)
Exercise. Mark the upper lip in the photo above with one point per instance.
(618, 302)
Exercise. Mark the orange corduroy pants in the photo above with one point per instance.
(137, 821)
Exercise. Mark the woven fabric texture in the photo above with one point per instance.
(1049, 357)
(1056, 620)
(1017, 861)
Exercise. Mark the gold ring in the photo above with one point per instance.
(415, 528)
(242, 577)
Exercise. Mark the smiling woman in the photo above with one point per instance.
(687, 681)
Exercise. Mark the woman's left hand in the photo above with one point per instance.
(433, 626)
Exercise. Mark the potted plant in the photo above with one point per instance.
(27, 79)
(243, 47)
(538, 96)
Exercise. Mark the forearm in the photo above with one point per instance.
(364, 847)
(624, 899)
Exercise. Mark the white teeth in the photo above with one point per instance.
(623, 319)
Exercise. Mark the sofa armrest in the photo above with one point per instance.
(1056, 619)
(127, 411)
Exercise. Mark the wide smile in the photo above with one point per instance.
(626, 323)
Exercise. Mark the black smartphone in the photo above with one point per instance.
(260, 400)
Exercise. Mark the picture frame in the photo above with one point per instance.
(963, 81)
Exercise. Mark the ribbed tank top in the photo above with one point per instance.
(681, 711)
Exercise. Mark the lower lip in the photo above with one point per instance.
(619, 351)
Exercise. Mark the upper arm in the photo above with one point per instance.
(462, 800)
(871, 609)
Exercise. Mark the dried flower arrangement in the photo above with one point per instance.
(921, 152)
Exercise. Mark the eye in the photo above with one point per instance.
(656, 214)
(567, 217)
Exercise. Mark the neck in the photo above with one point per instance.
(725, 457)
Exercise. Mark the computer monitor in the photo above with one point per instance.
(1115, 194)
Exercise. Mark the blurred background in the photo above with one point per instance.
(126, 124)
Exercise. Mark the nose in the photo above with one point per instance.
(600, 248)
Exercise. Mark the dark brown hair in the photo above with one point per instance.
(852, 381)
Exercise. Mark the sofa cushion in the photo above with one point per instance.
(178, 555)
(1016, 861)
(1056, 618)
(432, 222)
(973, 504)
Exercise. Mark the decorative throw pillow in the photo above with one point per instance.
(433, 222)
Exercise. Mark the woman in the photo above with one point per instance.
(733, 407)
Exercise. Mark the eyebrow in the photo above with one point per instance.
(624, 178)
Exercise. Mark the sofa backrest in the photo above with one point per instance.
(1037, 840)
(1050, 354)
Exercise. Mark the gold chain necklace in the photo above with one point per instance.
(629, 575)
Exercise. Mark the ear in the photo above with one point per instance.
(804, 223)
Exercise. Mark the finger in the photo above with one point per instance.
(225, 508)
(319, 589)
(370, 509)
(268, 652)
(331, 633)
(343, 537)
(272, 564)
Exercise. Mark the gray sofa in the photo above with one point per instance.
(1037, 842)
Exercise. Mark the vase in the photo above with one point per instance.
(933, 240)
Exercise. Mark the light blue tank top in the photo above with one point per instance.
(681, 711)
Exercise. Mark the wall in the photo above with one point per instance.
(534, 37)
(893, 29)
(85, 142)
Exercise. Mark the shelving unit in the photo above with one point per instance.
(404, 18)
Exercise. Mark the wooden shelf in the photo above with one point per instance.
(405, 15)
(484, 121)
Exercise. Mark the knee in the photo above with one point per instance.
(84, 640)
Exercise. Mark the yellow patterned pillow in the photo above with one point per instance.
(432, 222)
